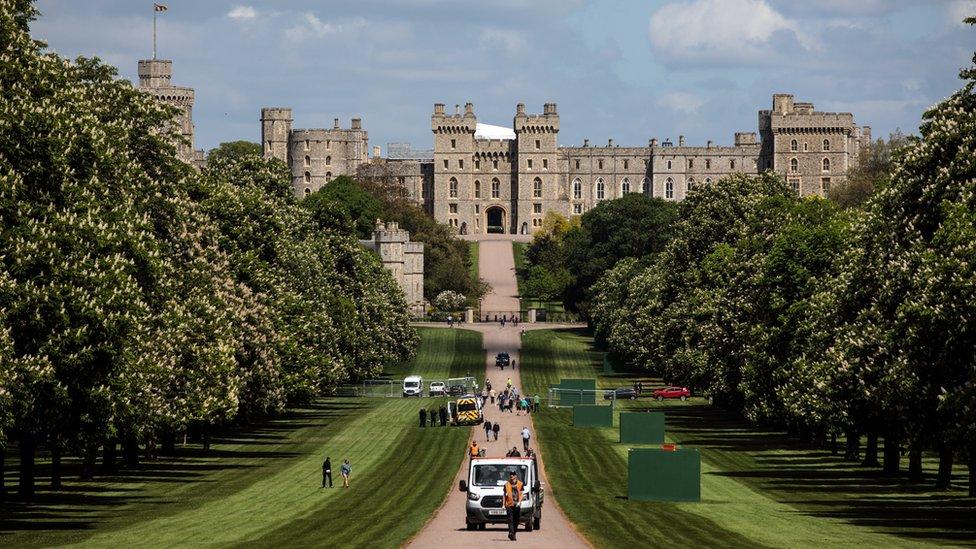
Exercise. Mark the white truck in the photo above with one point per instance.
(413, 386)
(485, 487)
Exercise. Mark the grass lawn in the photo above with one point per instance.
(759, 488)
(261, 485)
(473, 254)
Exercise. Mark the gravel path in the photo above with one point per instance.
(447, 528)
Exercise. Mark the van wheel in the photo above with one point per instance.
(537, 522)
(528, 526)
(683, 398)
(470, 525)
(482, 526)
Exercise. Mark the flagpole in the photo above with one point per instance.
(154, 32)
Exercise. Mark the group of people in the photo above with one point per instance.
(491, 429)
(431, 417)
(345, 470)
(510, 399)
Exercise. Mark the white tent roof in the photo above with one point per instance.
(487, 131)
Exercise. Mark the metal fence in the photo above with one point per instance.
(567, 398)
(393, 388)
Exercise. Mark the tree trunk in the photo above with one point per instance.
(915, 462)
(892, 456)
(169, 444)
(130, 452)
(88, 457)
(109, 456)
(853, 447)
(206, 438)
(3, 473)
(871, 451)
(944, 479)
(26, 468)
(55, 467)
(833, 443)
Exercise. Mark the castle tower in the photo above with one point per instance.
(155, 77)
(537, 183)
(275, 131)
(454, 162)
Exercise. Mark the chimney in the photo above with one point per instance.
(586, 142)
(520, 108)
(357, 123)
(681, 141)
(457, 110)
(709, 145)
(653, 142)
(335, 124)
(610, 142)
(438, 108)
(376, 151)
(468, 108)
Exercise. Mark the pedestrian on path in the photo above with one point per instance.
(423, 418)
(525, 438)
(513, 363)
(491, 394)
(346, 470)
(513, 499)
(525, 405)
(494, 429)
(487, 431)
(327, 471)
(508, 384)
(450, 321)
(473, 450)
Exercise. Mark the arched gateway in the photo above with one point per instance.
(496, 219)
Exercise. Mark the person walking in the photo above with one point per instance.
(432, 414)
(487, 431)
(491, 394)
(327, 471)
(494, 429)
(423, 418)
(346, 470)
(513, 499)
(443, 415)
(473, 450)
(525, 405)
(508, 384)
(525, 438)
(513, 363)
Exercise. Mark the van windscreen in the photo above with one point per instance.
(496, 474)
(411, 384)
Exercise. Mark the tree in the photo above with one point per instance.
(234, 149)
(869, 173)
(363, 207)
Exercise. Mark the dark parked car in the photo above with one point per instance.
(621, 393)
(672, 392)
(457, 390)
(502, 360)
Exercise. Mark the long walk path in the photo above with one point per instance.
(446, 528)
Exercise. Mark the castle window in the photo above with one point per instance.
(477, 189)
(328, 160)
(732, 164)
(545, 163)
(599, 164)
(477, 209)
(625, 187)
(536, 222)
(529, 163)
(445, 163)
(461, 164)
(453, 188)
(577, 189)
(794, 146)
(495, 188)
(308, 177)
(308, 161)
(494, 165)
(825, 185)
(577, 164)
(669, 164)
(601, 189)
(626, 164)
(328, 143)
(328, 176)
(689, 185)
(453, 144)
(794, 165)
(577, 208)
(805, 148)
(691, 163)
(306, 144)
(795, 185)
(477, 164)
(537, 208)
(453, 208)
(826, 144)
(537, 188)
(308, 191)
(538, 144)
(645, 186)
(708, 180)
(708, 164)
(669, 189)
(826, 164)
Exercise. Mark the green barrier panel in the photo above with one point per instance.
(642, 427)
(592, 416)
(578, 384)
(654, 474)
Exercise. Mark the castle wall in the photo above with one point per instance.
(155, 78)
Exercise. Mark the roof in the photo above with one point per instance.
(488, 131)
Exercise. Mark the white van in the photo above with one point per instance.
(413, 386)
(486, 492)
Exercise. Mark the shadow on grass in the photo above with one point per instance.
(144, 491)
(817, 483)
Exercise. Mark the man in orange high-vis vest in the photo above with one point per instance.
(513, 497)
(473, 451)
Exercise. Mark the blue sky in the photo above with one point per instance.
(621, 69)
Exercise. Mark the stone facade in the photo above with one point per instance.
(403, 258)
(155, 77)
(316, 156)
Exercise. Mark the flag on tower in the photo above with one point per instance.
(159, 7)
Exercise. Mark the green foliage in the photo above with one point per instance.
(869, 173)
(362, 207)
(234, 149)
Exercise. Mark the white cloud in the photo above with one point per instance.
(681, 101)
(310, 26)
(242, 13)
(961, 9)
(723, 31)
(510, 40)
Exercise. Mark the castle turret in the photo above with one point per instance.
(275, 130)
(155, 77)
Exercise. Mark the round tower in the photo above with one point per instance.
(275, 129)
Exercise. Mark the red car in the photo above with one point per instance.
(672, 392)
